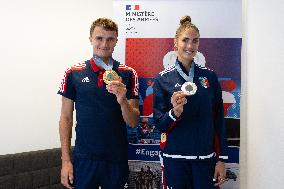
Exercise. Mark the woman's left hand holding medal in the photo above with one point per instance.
(178, 100)
(117, 88)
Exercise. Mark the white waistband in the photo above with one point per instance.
(190, 157)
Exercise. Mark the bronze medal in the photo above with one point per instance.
(110, 75)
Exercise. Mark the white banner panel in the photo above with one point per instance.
(159, 19)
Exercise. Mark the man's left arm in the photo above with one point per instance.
(129, 107)
(130, 111)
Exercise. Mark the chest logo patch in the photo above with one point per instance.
(204, 82)
(177, 85)
(85, 80)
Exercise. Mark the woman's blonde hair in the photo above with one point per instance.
(185, 23)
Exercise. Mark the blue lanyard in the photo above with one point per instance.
(99, 62)
(190, 75)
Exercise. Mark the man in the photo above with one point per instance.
(105, 95)
(149, 176)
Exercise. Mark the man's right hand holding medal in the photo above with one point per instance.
(129, 108)
(178, 100)
(118, 89)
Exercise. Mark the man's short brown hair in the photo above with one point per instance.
(105, 23)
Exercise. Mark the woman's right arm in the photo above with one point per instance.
(161, 109)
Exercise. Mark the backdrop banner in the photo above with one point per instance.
(146, 36)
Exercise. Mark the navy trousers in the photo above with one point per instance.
(90, 174)
(185, 174)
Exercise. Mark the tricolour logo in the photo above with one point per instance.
(204, 82)
(132, 7)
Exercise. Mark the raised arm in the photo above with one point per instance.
(129, 108)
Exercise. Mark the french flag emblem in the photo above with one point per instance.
(134, 7)
(204, 82)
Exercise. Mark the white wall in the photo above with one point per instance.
(262, 129)
(39, 39)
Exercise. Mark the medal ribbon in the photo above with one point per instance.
(99, 62)
(190, 75)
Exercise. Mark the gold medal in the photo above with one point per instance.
(110, 75)
(163, 137)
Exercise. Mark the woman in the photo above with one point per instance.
(188, 110)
